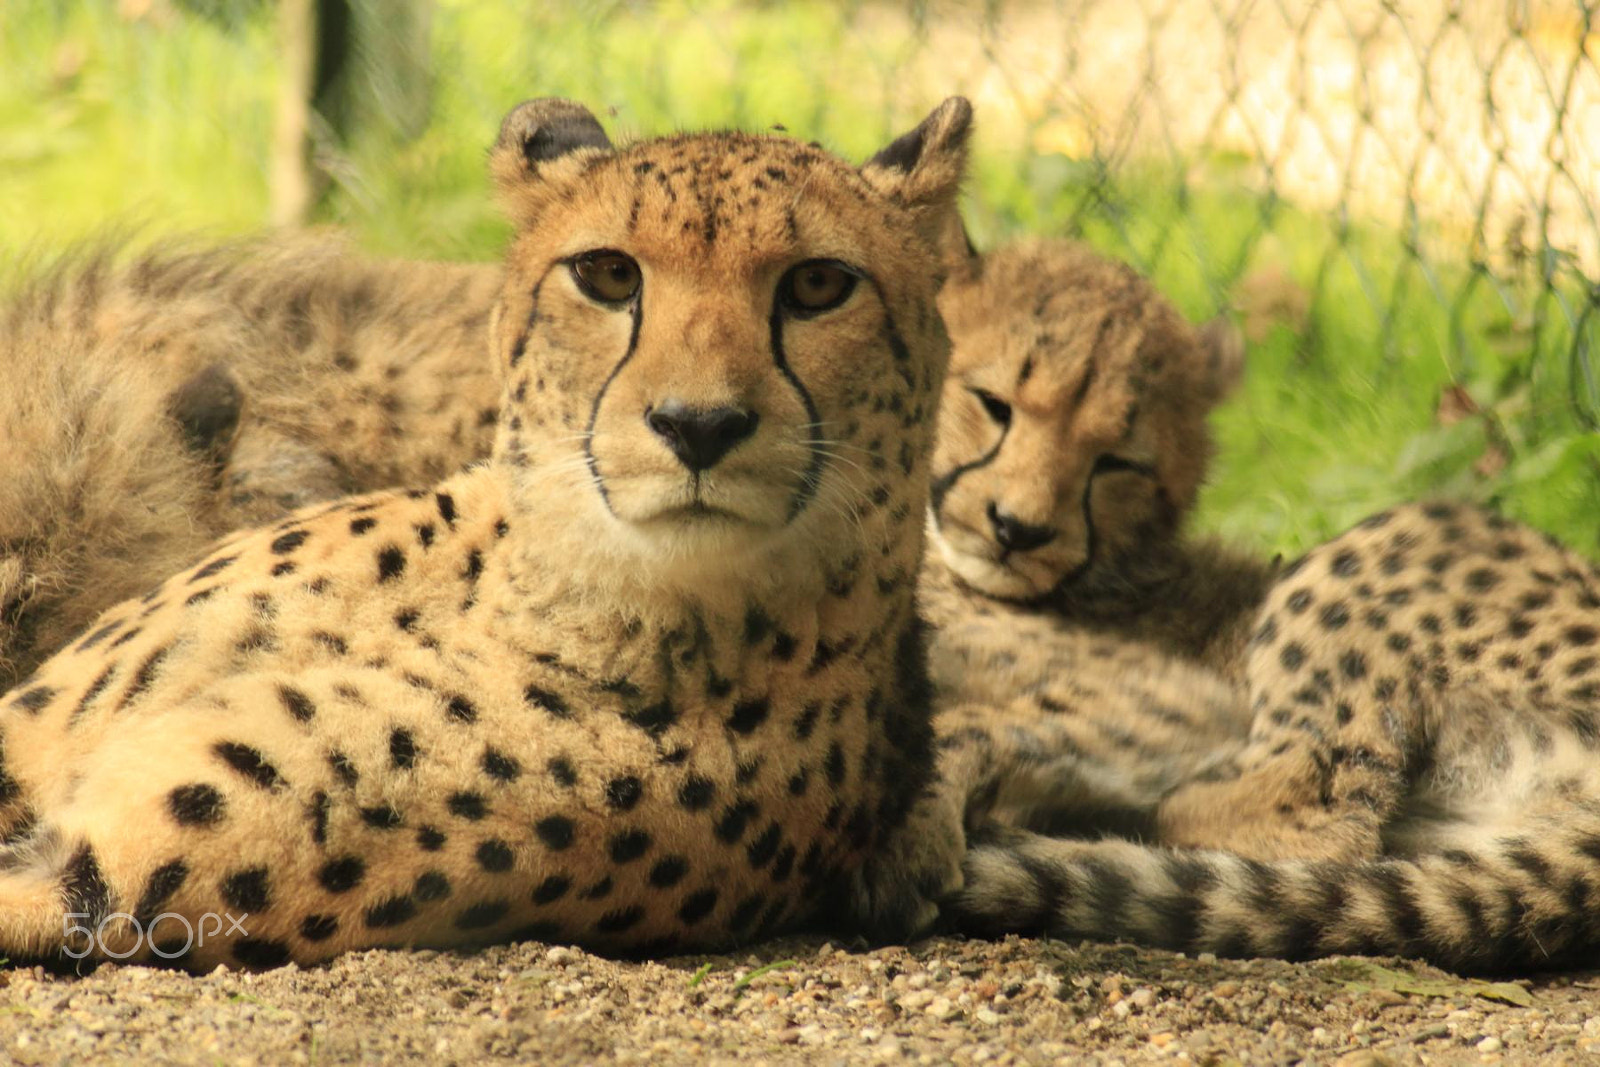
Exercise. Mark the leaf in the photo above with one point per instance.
(1360, 976)
(767, 968)
(1509, 992)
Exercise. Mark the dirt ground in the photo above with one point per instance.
(802, 1001)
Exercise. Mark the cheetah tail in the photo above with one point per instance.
(1518, 903)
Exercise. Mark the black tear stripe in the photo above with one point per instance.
(945, 482)
(519, 349)
(1091, 540)
(812, 481)
(636, 310)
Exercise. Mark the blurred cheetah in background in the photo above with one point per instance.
(153, 406)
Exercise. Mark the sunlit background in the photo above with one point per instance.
(1397, 200)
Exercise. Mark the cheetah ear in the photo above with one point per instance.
(539, 139)
(957, 252)
(922, 170)
(1222, 358)
(208, 409)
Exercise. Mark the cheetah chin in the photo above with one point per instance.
(998, 573)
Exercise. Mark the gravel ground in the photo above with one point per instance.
(794, 1001)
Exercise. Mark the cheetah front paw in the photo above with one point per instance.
(895, 895)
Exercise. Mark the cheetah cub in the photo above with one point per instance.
(1072, 443)
(1398, 756)
(153, 405)
(651, 678)
(1086, 649)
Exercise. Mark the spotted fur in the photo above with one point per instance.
(1422, 775)
(1033, 692)
(155, 404)
(589, 690)
(1084, 675)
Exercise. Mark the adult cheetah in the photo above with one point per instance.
(652, 677)
(340, 355)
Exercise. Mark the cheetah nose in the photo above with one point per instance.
(700, 437)
(1015, 535)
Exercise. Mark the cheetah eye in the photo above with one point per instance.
(607, 276)
(816, 286)
(998, 409)
(1107, 464)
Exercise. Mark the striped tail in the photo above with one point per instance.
(1514, 903)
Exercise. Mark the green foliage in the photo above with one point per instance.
(1373, 376)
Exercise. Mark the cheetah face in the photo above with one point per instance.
(715, 340)
(1072, 437)
(709, 418)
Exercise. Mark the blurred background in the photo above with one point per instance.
(1396, 200)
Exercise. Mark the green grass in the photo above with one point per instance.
(166, 127)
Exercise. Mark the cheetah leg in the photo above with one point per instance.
(1018, 768)
(32, 918)
(894, 896)
(1335, 733)
(1316, 799)
(1325, 767)
(1081, 735)
(1425, 630)
(1021, 765)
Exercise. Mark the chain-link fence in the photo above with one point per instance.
(1397, 198)
(1442, 152)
